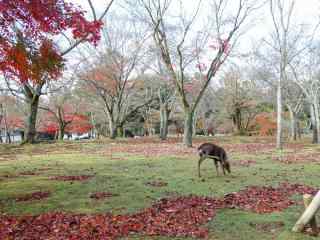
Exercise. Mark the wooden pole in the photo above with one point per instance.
(307, 198)
(308, 214)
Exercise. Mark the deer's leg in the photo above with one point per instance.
(222, 166)
(217, 167)
(202, 158)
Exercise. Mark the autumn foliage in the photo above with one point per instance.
(13, 122)
(77, 123)
(265, 124)
(175, 217)
(27, 52)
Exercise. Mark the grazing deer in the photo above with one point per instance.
(218, 154)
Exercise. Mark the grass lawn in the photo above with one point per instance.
(136, 173)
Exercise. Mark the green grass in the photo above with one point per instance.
(126, 176)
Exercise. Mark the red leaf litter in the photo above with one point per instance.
(178, 217)
(101, 195)
(296, 157)
(72, 178)
(157, 184)
(244, 163)
(33, 196)
(28, 173)
(266, 199)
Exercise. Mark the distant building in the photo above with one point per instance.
(11, 129)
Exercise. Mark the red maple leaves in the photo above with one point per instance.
(72, 178)
(27, 28)
(76, 123)
(180, 216)
(102, 195)
(266, 199)
(33, 196)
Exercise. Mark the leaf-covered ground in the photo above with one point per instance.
(148, 189)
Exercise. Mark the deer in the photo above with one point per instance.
(218, 154)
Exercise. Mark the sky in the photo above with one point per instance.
(306, 11)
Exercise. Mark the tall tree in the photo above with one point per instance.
(29, 54)
(62, 110)
(111, 74)
(294, 99)
(281, 13)
(241, 99)
(179, 49)
(306, 74)
(165, 91)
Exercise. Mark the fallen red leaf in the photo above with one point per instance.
(157, 184)
(33, 196)
(176, 217)
(101, 195)
(72, 178)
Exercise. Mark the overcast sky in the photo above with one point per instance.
(306, 11)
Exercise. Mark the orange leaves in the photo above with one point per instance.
(17, 62)
(266, 125)
(79, 124)
(105, 77)
(49, 60)
(33, 65)
(27, 52)
(75, 123)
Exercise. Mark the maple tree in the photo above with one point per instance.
(63, 114)
(241, 100)
(265, 123)
(110, 77)
(28, 52)
(59, 122)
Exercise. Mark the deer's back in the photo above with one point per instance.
(212, 150)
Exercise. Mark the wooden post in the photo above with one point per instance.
(309, 214)
(307, 198)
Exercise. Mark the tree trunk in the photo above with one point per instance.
(112, 130)
(8, 137)
(94, 132)
(317, 118)
(194, 123)
(32, 119)
(298, 130)
(293, 124)
(120, 131)
(313, 125)
(238, 120)
(6, 131)
(279, 115)
(164, 118)
(62, 127)
(112, 127)
(188, 128)
(294, 128)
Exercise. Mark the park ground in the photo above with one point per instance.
(148, 189)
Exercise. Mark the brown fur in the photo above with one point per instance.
(218, 154)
